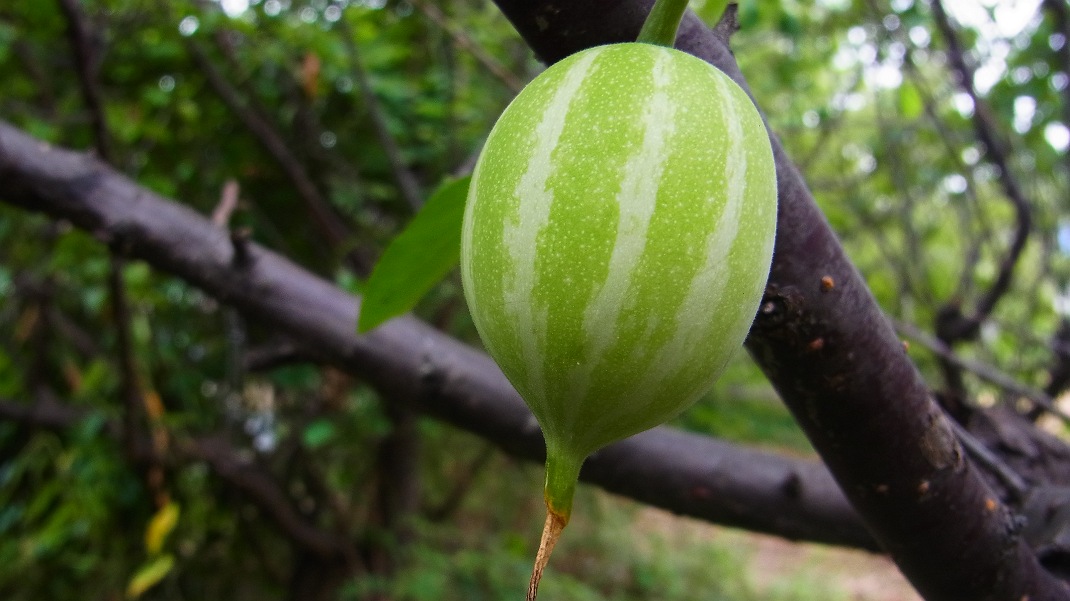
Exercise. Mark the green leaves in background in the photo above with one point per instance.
(318, 433)
(149, 575)
(710, 11)
(418, 258)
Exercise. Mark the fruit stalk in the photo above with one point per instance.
(551, 531)
(562, 472)
(616, 241)
(662, 22)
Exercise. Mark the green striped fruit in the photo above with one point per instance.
(616, 243)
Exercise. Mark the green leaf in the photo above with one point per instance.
(418, 258)
(710, 11)
(318, 433)
(149, 575)
(910, 102)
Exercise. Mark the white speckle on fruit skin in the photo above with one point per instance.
(521, 236)
(705, 290)
(641, 173)
(616, 251)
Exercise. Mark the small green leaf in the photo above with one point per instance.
(149, 575)
(418, 258)
(318, 433)
(711, 11)
(910, 102)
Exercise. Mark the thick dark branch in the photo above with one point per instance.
(837, 363)
(406, 359)
(1059, 375)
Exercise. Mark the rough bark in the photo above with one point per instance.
(836, 361)
(408, 360)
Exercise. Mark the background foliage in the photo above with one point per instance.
(336, 120)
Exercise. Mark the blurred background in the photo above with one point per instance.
(934, 137)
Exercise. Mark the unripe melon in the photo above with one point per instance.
(616, 243)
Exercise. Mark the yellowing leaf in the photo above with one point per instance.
(149, 575)
(161, 524)
(153, 405)
(310, 75)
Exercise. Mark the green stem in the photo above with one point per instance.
(662, 22)
(562, 473)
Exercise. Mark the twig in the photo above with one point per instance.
(82, 341)
(263, 490)
(228, 201)
(990, 461)
(136, 409)
(276, 353)
(261, 128)
(136, 403)
(462, 39)
(1059, 373)
(45, 90)
(87, 66)
(406, 181)
(985, 128)
(462, 485)
(985, 372)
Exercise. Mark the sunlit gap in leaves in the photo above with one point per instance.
(234, 8)
(997, 24)
(331, 11)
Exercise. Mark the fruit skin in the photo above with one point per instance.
(616, 242)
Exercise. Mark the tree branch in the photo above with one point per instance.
(985, 372)
(261, 488)
(261, 129)
(462, 39)
(966, 327)
(135, 416)
(87, 66)
(403, 176)
(406, 359)
(836, 361)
